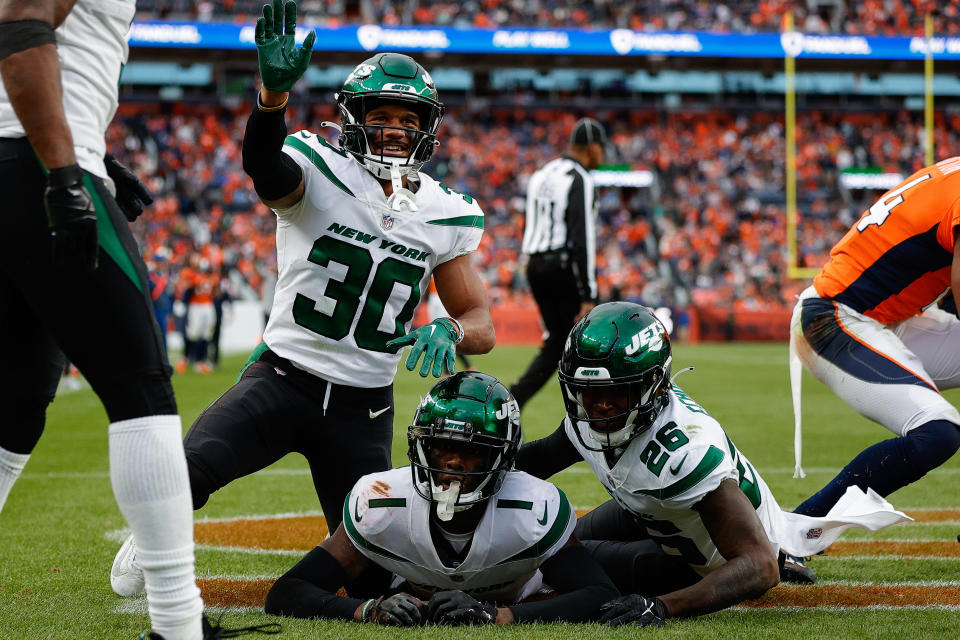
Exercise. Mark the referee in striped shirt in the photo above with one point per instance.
(560, 239)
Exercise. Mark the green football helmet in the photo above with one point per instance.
(472, 410)
(619, 351)
(390, 78)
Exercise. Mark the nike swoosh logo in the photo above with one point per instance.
(356, 511)
(374, 414)
(543, 520)
(676, 469)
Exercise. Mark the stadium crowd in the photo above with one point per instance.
(712, 225)
(869, 17)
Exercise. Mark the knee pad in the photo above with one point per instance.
(137, 396)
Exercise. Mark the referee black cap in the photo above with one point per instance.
(587, 131)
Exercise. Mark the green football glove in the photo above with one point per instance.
(437, 342)
(281, 64)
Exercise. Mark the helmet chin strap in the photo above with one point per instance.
(401, 198)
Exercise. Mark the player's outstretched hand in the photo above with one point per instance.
(281, 63)
(132, 195)
(455, 607)
(399, 610)
(634, 609)
(436, 342)
(72, 219)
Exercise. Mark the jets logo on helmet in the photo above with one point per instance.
(388, 78)
(363, 70)
(614, 373)
(470, 410)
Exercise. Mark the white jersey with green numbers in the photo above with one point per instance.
(92, 49)
(671, 467)
(352, 270)
(523, 525)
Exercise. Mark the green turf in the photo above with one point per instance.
(55, 552)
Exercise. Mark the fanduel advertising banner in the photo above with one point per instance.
(616, 42)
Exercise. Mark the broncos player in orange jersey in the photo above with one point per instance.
(870, 329)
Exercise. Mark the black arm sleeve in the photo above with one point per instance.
(581, 583)
(274, 173)
(544, 457)
(578, 208)
(309, 590)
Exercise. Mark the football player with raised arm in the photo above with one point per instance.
(360, 232)
(457, 537)
(72, 282)
(692, 527)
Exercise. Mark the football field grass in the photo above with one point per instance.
(60, 527)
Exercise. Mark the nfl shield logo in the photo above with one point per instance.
(386, 222)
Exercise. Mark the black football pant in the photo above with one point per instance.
(103, 321)
(555, 291)
(275, 409)
(634, 562)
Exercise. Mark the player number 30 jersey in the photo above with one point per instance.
(351, 270)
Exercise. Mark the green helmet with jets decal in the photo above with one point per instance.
(388, 78)
(474, 411)
(616, 361)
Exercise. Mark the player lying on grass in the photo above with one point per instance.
(455, 534)
(692, 528)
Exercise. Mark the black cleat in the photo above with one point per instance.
(213, 631)
(794, 570)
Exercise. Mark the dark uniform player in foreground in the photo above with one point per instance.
(72, 282)
(692, 527)
(459, 537)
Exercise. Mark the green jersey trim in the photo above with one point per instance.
(107, 235)
(386, 502)
(359, 540)
(459, 221)
(318, 161)
(551, 537)
(254, 356)
(710, 462)
(515, 504)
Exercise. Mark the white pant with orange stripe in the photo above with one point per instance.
(890, 374)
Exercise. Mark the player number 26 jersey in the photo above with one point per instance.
(351, 270)
(671, 467)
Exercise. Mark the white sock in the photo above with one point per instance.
(148, 471)
(11, 464)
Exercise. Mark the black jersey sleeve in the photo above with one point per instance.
(544, 457)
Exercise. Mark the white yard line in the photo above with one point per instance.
(80, 475)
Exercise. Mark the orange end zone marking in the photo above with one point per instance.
(838, 595)
(234, 593)
(305, 532)
(252, 593)
(935, 515)
(939, 549)
(302, 533)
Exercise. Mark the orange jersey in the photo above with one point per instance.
(203, 285)
(896, 260)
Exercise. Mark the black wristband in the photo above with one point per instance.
(19, 35)
(64, 176)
